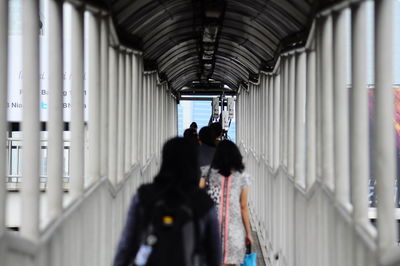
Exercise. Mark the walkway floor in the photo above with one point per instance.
(257, 249)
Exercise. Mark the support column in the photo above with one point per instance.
(311, 119)
(359, 116)
(94, 98)
(113, 116)
(151, 113)
(140, 112)
(327, 104)
(265, 131)
(341, 100)
(134, 81)
(128, 111)
(31, 122)
(77, 102)
(121, 117)
(104, 96)
(291, 114)
(270, 129)
(384, 163)
(144, 120)
(300, 107)
(55, 123)
(282, 149)
(135, 96)
(277, 120)
(3, 108)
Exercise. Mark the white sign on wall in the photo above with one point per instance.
(15, 63)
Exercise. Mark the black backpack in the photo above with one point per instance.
(168, 229)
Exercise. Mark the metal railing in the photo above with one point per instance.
(14, 160)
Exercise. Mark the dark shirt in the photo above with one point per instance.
(206, 154)
(209, 232)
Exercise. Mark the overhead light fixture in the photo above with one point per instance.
(207, 57)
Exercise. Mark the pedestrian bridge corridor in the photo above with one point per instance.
(89, 93)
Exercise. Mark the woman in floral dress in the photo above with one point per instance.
(228, 187)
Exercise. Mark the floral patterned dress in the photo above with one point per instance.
(226, 191)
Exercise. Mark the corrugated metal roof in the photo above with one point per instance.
(223, 40)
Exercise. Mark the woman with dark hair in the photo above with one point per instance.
(175, 198)
(228, 187)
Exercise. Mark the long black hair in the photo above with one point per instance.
(227, 158)
(179, 165)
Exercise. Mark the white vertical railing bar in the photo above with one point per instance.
(311, 119)
(135, 101)
(113, 116)
(300, 119)
(277, 120)
(318, 59)
(270, 120)
(384, 164)
(359, 168)
(77, 101)
(327, 103)
(283, 142)
(121, 117)
(291, 102)
(152, 113)
(341, 121)
(265, 104)
(144, 120)
(3, 108)
(104, 96)
(128, 111)
(31, 122)
(94, 97)
(158, 123)
(140, 111)
(55, 123)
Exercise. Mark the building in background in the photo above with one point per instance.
(199, 112)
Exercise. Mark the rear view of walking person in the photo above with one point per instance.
(228, 187)
(171, 221)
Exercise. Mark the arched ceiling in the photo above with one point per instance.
(199, 42)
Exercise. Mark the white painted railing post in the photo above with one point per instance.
(265, 118)
(283, 148)
(152, 113)
(311, 119)
(3, 108)
(270, 130)
(31, 122)
(341, 98)
(141, 112)
(291, 109)
(77, 104)
(384, 163)
(277, 120)
(113, 115)
(121, 117)
(300, 106)
(135, 108)
(128, 111)
(94, 97)
(144, 119)
(359, 142)
(327, 103)
(104, 94)
(55, 123)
